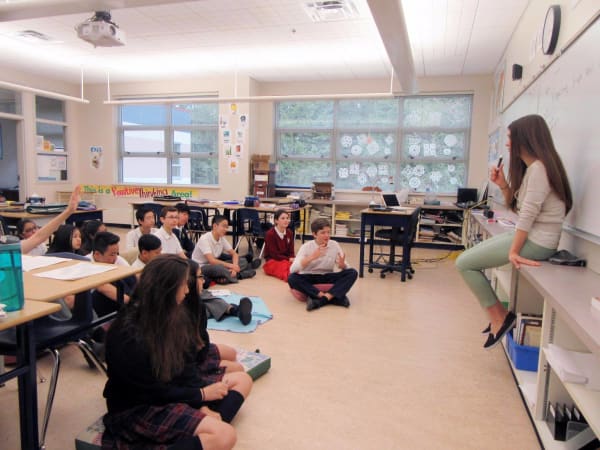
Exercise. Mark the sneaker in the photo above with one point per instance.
(487, 329)
(312, 303)
(345, 302)
(247, 273)
(255, 264)
(245, 310)
(249, 257)
(507, 325)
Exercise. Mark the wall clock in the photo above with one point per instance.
(551, 29)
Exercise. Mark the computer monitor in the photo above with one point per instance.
(466, 195)
(390, 200)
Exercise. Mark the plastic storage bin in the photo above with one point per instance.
(524, 357)
(11, 277)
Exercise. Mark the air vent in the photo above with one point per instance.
(329, 10)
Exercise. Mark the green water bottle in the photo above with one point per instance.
(11, 277)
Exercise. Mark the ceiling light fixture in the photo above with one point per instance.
(329, 10)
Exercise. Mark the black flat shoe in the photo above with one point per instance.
(507, 325)
(487, 329)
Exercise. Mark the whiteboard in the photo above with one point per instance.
(567, 95)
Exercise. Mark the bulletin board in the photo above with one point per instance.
(52, 167)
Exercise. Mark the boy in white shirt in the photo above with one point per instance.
(169, 217)
(314, 264)
(217, 258)
(149, 246)
(145, 220)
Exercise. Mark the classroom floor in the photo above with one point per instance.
(402, 368)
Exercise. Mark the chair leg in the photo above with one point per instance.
(89, 352)
(51, 392)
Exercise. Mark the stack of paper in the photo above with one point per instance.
(574, 367)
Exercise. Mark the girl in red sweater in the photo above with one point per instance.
(279, 247)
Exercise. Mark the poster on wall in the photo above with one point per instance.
(233, 165)
(96, 157)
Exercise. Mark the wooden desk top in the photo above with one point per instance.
(401, 212)
(47, 289)
(31, 310)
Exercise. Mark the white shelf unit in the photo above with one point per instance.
(441, 229)
(562, 294)
(329, 209)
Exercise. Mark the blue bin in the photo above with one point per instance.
(524, 357)
(11, 277)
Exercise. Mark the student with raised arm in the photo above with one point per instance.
(538, 190)
(42, 235)
(27, 228)
(315, 263)
(279, 251)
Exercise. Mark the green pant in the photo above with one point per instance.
(490, 253)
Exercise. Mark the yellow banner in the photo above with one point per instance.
(143, 192)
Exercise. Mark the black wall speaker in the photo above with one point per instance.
(517, 71)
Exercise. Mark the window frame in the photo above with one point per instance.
(169, 153)
(397, 159)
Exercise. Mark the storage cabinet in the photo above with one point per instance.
(262, 176)
(440, 225)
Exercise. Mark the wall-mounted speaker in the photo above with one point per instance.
(517, 71)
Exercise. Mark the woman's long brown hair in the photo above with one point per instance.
(164, 326)
(531, 134)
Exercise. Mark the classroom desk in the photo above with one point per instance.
(369, 217)
(26, 367)
(47, 289)
(77, 218)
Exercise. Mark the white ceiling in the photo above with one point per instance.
(268, 40)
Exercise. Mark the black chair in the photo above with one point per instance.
(250, 227)
(404, 237)
(51, 334)
(198, 223)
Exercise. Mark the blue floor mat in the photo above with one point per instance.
(260, 314)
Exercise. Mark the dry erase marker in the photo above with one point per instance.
(499, 162)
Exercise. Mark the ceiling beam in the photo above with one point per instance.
(389, 18)
(33, 9)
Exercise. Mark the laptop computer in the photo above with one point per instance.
(390, 201)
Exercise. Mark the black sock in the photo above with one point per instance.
(230, 405)
(233, 310)
(187, 443)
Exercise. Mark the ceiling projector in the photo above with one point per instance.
(100, 31)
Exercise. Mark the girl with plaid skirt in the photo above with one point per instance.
(156, 395)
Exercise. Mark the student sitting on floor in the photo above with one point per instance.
(27, 228)
(89, 228)
(145, 220)
(314, 264)
(155, 393)
(170, 243)
(279, 247)
(181, 230)
(106, 250)
(217, 258)
(149, 247)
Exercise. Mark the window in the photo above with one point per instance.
(420, 143)
(51, 128)
(169, 143)
(10, 102)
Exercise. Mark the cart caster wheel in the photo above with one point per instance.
(409, 275)
(382, 275)
(370, 270)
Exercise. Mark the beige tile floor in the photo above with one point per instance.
(402, 368)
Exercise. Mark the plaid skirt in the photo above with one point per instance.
(210, 371)
(151, 427)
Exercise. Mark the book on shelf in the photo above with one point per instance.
(525, 320)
